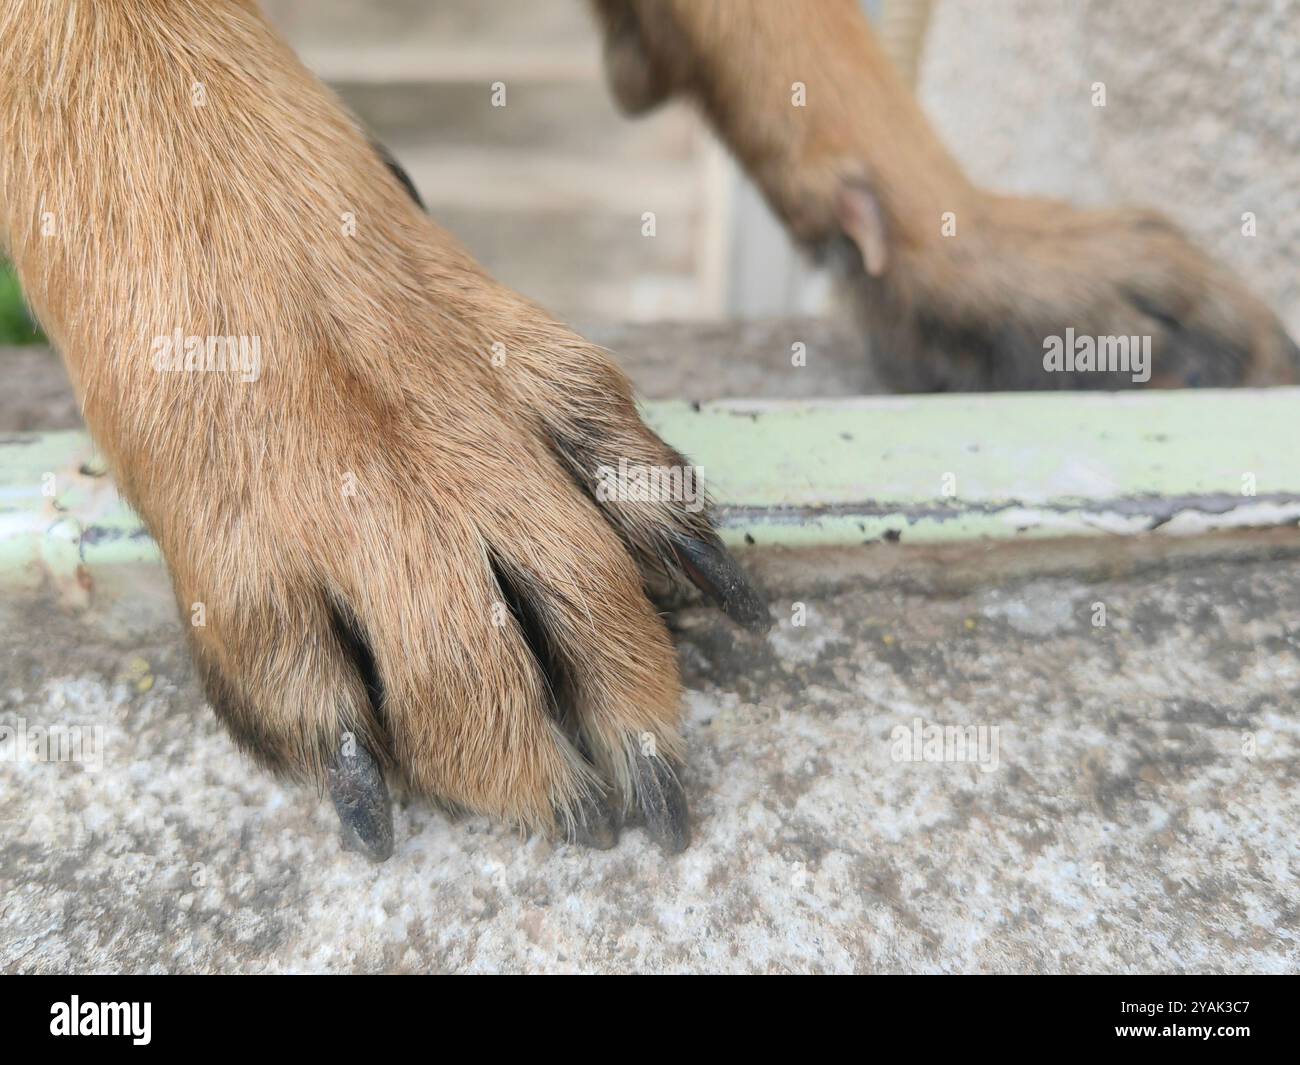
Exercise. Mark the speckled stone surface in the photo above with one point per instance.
(1142, 813)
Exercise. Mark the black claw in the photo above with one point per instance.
(595, 826)
(361, 799)
(663, 803)
(716, 574)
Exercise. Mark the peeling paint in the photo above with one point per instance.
(926, 469)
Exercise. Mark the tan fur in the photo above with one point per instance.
(227, 219)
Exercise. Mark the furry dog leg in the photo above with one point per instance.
(389, 531)
(958, 288)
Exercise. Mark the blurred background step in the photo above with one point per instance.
(518, 180)
(493, 26)
(554, 118)
(549, 191)
(540, 224)
(577, 261)
(400, 62)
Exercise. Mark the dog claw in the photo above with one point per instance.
(361, 799)
(595, 826)
(663, 803)
(716, 574)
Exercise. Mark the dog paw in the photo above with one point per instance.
(388, 489)
(437, 575)
(1033, 294)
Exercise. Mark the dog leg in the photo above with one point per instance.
(388, 529)
(958, 288)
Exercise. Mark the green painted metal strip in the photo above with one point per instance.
(955, 467)
(831, 472)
